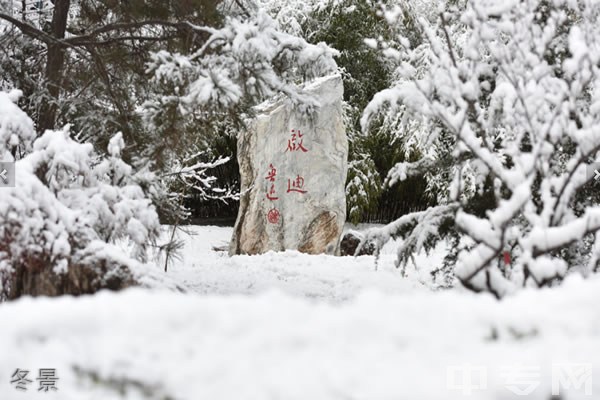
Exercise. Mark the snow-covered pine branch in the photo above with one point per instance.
(419, 231)
(292, 16)
(16, 128)
(363, 187)
(249, 59)
(195, 175)
(514, 87)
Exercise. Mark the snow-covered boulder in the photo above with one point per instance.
(350, 243)
(293, 169)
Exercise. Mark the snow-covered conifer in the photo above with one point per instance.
(68, 207)
(512, 90)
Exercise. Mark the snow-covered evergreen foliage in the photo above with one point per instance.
(247, 59)
(363, 187)
(509, 90)
(292, 16)
(344, 24)
(195, 174)
(69, 205)
(16, 128)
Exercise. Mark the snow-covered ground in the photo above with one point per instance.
(293, 326)
(203, 270)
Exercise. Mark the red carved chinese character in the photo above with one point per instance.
(296, 146)
(296, 185)
(271, 193)
(273, 216)
(272, 173)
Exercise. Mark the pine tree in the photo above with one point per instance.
(507, 93)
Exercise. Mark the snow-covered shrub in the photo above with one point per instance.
(16, 128)
(513, 89)
(363, 188)
(69, 205)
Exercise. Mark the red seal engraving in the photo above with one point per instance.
(273, 216)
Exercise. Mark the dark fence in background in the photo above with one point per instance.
(392, 205)
(388, 213)
(212, 212)
(398, 201)
(216, 212)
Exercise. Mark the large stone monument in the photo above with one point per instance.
(293, 172)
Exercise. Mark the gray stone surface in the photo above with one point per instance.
(293, 170)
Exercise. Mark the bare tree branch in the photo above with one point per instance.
(117, 26)
(90, 39)
(33, 32)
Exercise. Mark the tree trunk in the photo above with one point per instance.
(54, 66)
